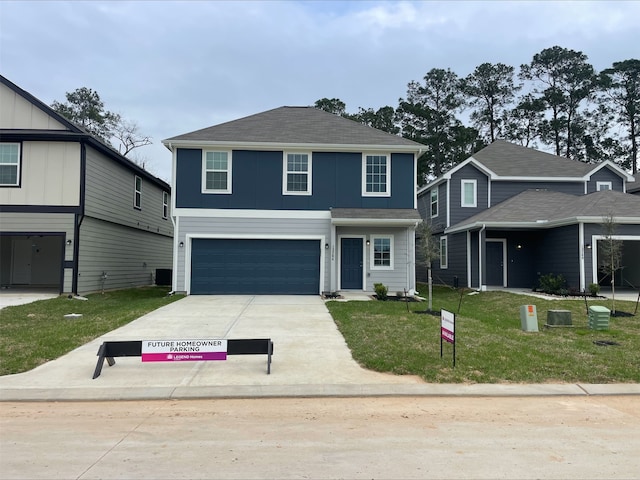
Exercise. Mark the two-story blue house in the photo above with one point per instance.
(293, 200)
(509, 214)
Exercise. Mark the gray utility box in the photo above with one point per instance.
(598, 318)
(529, 318)
(559, 318)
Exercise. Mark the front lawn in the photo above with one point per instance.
(37, 332)
(490, 344)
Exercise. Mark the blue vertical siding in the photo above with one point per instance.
(468, 172)
(257, 178)
(605, 175)
(503, 190)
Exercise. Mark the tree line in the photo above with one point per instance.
(557, 102)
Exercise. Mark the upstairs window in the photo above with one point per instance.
(603, 186)
(9, 164)
(469, 193)
(165, 205)
(216, 175)
(137, 195)
(297, 174)
(376, 176)
(382, 253)
(434, 202)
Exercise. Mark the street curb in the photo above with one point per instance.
(314, 391)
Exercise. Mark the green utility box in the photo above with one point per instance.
(598, 318)
(529, 318)
(559, 318)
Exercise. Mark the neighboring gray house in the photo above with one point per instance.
(75, 215)
(509, 214)
(293, 200)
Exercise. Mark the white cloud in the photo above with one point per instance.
(178, 66)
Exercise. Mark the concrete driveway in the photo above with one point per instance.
(310, 358)
(310, 354)
(12, 297)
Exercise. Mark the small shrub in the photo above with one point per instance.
(594, 289)
(381, 291)
(553, 284)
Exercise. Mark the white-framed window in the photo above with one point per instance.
(296, 178)
(9, 164)
(376, 175)
(137, 192)
(469, 193)
(444, 253)
(603, 186)
(216, 171)
(434, 202)
(381, 252)
(165, 205)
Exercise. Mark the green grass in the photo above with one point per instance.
(490, 344)
(33, 334)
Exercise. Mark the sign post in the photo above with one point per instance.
(448, 331)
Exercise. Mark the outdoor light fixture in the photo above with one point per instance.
(588, 246)
(181, 244)
(326, 246)
(518, 247)
(69, 242)
(368, 243)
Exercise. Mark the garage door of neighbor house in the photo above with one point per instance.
(257, 267)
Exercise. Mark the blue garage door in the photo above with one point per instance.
(258, 267)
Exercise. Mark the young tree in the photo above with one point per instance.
(85, 108)
(428, 251)
(565, 79)
(621, 83)
(490, 88)
(610, 254)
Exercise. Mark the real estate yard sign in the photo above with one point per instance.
(184, 350)
(448, 331)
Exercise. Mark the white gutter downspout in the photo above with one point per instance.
(480, 285)
(174, 221)
(583, 283)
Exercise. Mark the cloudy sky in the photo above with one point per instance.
(174, 67)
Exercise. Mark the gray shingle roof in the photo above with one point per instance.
(533, 208)
(380, 213)
(511, 160)
(296, 125)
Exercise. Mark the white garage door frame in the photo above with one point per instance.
(231, 236)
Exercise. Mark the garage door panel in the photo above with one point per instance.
(229, 266)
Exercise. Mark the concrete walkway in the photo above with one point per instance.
(310, 358)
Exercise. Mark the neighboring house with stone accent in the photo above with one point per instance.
(293, 200)
(75, 215)
(509, 214)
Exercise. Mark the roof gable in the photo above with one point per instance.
(44, 117)
(507, 159)
(295, 126)
(72, 132)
